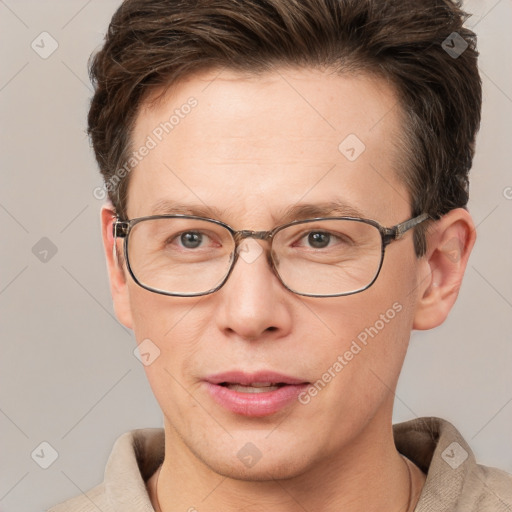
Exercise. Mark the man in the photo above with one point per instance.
(288, 183)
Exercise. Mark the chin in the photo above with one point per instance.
(257, 459)
(272, 469)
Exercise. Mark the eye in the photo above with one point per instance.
(191, 239)
(319, 239)
(322, 240)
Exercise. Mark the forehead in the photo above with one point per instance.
(259, 144)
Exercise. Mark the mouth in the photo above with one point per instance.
(254, 387)
(257, 394)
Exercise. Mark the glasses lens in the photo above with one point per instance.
(179, 255)
(328, 257)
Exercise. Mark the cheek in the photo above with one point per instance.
(161, 318)
(169, 328)
(359, 361)
(359, 377)
(165, 329)
(365, 331)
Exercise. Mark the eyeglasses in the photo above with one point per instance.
(188, 256)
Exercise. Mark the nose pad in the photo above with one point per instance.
(273, 260)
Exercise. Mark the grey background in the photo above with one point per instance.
(68, 373)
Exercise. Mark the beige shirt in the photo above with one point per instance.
(455, 482)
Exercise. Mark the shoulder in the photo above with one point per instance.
(455, 481)
(134, 458)
(486, 489)
(91, 501)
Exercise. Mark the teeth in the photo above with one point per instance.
(255, 387)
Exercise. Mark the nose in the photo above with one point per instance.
(254, 305)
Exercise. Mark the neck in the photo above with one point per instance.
(368, 475)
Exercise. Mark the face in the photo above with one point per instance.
(246, 151)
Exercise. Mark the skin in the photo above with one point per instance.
(252, 147)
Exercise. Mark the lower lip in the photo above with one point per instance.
(255, 404)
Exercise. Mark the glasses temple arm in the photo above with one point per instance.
(398, 231)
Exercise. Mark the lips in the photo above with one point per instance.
(254, 394)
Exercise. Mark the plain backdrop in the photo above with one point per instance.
(68, 374)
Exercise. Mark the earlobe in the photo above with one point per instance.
(116, 272)
(449, 244)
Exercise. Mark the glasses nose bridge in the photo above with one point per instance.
(248, 233)
(240, 236)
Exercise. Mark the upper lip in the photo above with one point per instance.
(244, 378)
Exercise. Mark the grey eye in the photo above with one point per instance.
(318, 239)
(191, 239)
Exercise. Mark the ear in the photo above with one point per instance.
(116, 267)
(449, 244)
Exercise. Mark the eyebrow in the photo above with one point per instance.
(168, 207)
(299, 211)
(335, 208)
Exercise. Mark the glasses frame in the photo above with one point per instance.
(122, 229)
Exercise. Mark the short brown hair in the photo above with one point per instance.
(152, 44)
